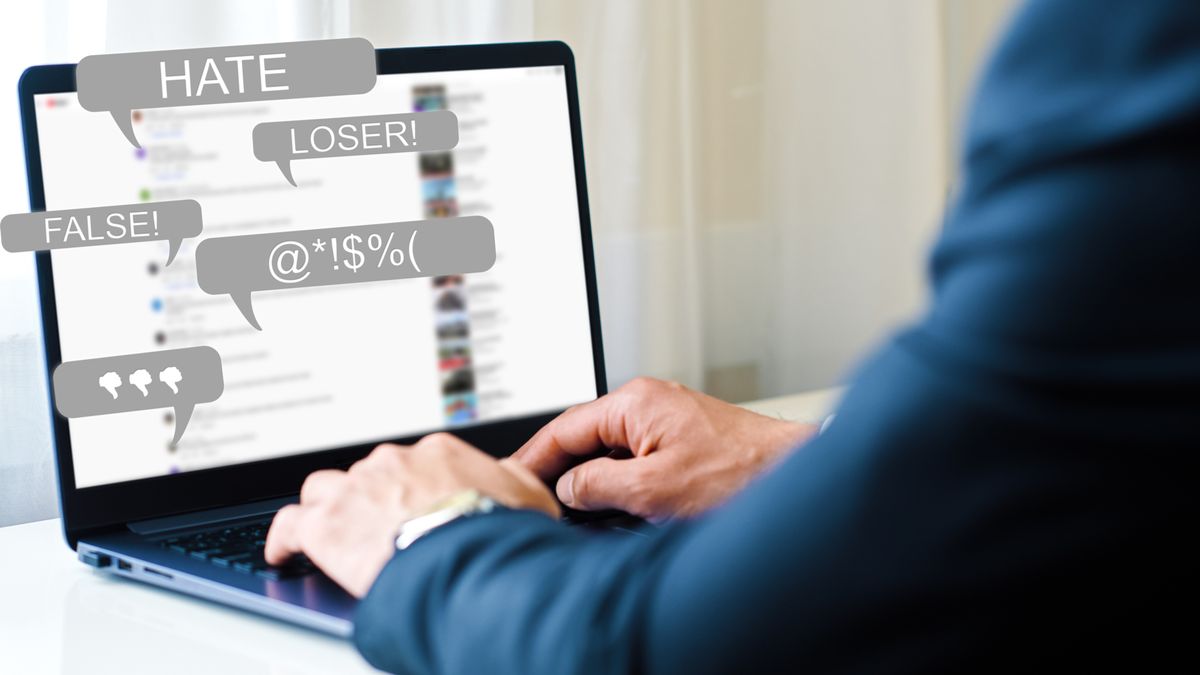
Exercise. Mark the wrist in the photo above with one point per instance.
(455, 507)
(789, 435)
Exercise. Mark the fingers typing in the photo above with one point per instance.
(283, 539)
(604, 483)
(579, 432)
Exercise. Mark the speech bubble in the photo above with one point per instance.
(239, 266)
(121, 83)
(283, 142)
(115, 384)
(172, 221)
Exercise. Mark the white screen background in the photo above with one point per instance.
(333, 366)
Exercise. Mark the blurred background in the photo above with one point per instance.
(765, 176)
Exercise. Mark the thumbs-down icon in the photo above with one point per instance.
(171, 377)
(110, 381)
(140, 378)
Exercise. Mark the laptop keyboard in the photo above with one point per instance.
(238, 547)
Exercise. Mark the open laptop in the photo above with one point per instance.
(336, 370)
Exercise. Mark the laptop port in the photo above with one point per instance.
(124, 565)
(95, 558)
(153, 572)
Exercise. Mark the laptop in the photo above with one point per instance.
(490, 357)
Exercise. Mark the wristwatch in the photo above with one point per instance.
(450, 509)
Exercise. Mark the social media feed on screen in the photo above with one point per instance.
(345, 330)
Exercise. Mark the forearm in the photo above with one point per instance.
(512, 591)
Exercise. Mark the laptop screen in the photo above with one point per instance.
(341, 365)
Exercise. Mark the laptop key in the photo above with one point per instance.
(256, 562)
(287, 571)
(230, 559)
(240, 548)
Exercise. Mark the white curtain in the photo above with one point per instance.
(764, 175)
(48, 32)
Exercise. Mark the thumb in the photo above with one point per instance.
(601, 483)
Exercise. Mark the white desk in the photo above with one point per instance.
(58, 616)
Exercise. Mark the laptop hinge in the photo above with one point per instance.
(209, 516)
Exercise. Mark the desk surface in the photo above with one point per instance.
(58, 616)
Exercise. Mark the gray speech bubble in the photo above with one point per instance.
(171, 378)
(172, 221)
(282, 142)
(120, 83)
(241, 265)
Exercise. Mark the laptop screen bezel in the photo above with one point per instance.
(103, 506)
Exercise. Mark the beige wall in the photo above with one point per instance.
(969, 29)
(855, 179)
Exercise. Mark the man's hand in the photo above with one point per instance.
(347, 521)
(690, 452)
